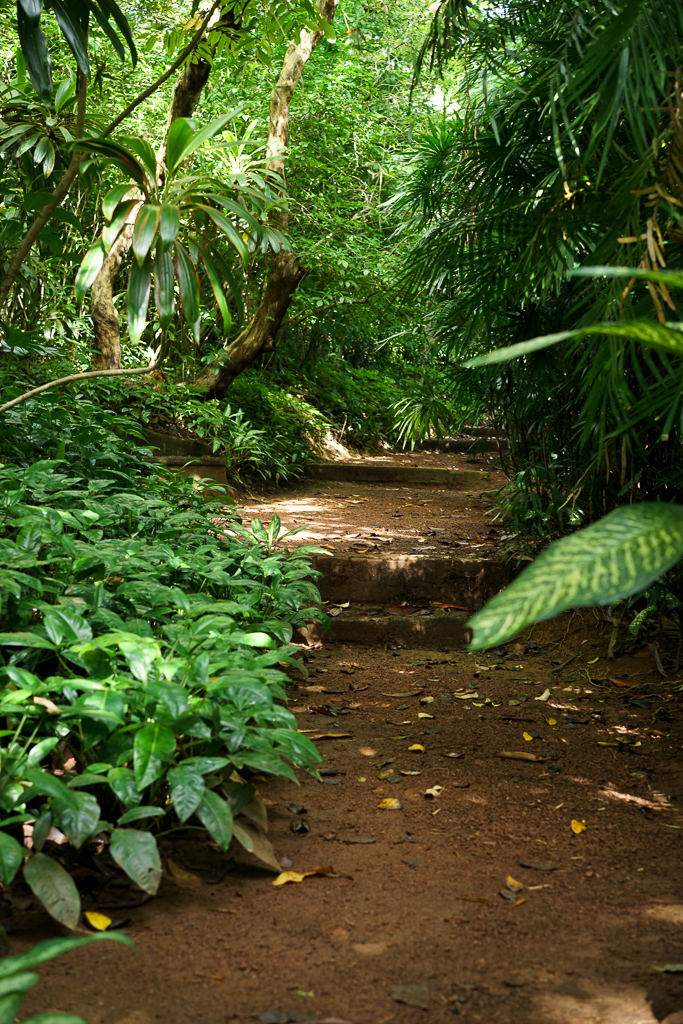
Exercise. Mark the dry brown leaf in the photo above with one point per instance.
(519, 755)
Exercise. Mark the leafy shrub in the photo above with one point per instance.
(141, 665)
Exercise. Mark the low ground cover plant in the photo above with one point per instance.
(141, 675)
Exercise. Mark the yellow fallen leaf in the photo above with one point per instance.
(390, 803)
(298, 876)
(513, 884)
(527, 736)
(423, 714)
(578, 827)
(100, 922)
(551, 721)
(518, 903)
(543, 696)
(418, 747)
(433, 791)
(593, 661)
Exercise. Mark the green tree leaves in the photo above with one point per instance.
(55, 889)
(137, 854)
(617, 556)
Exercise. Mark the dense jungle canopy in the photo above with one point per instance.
(279, 228)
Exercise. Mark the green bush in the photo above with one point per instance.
(142, 658)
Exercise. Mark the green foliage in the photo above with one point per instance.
(199, 203)
(17, 976)
(145, 643)
(622, 554)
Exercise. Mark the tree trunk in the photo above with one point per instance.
(285, 270)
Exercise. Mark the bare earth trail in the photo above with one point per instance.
(411, 925)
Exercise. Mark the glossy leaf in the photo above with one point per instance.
(154, 748)
(73, 33)
(123, 215)
(11, 856)
(216, 286)
(145, 229)
(164, 290)
(619, 555)
(137, 853)
(143, 151)
(124, 786)
(49, 949)
(179, 135)
(89, 269)
(113, 198)
(187, 789)
(34, 48)
(189, 288)
(80, 822)
(137, 298)
(169, 223)
(216, 817)
(138, 813)
(55, 889)
(228, 229)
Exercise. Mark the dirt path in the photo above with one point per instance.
(473, 899)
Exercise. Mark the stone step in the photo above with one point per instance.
(390, 580)
(413, 476)
(466, 445)
(373, 625)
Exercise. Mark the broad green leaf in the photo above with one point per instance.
(40, 750)
(215, 281)
(55, 1018)
(79, 823)
(164, 290)
(143, 151)
(216, 817)
(649, 333)
(137, 298)
(122, 215)
(11, 856)
(229, 277)
(169, 223)
(189, 288)
(137, 854)
(41, 830)
(137, 813)
(124, 786)
(179, 136)
(50, 785)
(259, 531)
(89, 268)
(253, 639)
(34, 48)
(113, 198)
(72, 32)
(51, 948)
(55, 889)
(187, 789)
(274, 528)
(228, 229)
(117, 155)
(254, 841)
(65, 91)
(619, 555)
(154, 748)
(144, 231)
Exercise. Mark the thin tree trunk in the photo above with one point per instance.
(285, 270)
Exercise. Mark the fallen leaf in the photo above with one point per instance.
(48, 704)
(410, 773)
(298, 876)
(518, 903)
(668, 968)
(299, 827)
(390, 803)
(551, 721)
(99, 922)
(433, 791)
(578, 826)
(623, 681)
(520, 979)
(443, 604)
(513, 884)
(423, 714)
(407, 693)
(461, 785)
(519, 755)
(538, 865)
(527, 736)
(367, 752)
(426, 700)
(411, 995)
(362, 840)
(468, 695)
(644, 653)
(418, 747)
(327, 735)
(183, 879)
(543, 696)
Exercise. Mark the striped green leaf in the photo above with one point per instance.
(617, 556)
(169, 223)
(164, 278)
(189, 288)
(113, 198)
(649, 333)
(89, 268)
(145, 229)
(137, 298)
(216, 285)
